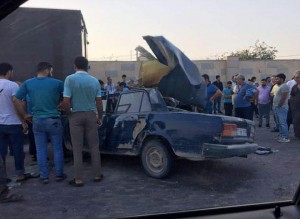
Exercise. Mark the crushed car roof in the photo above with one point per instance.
(184, 82)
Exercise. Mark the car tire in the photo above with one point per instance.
(157, 160)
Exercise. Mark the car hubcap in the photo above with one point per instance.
(155, 158)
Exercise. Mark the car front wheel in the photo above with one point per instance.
(157, 160)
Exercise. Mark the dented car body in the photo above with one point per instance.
(141, 124)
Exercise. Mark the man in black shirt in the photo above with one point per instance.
(218, 83)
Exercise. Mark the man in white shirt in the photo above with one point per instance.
(11, 131)
(109, 86)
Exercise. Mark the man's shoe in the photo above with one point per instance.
(283, 140)
(259, 126)
(268, 125)
(275, 130)
(7, 196)
(220, 112)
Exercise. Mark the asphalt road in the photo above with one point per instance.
(127, 191)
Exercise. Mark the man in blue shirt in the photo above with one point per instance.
(45, 94)
(243, 93)
(212, 92)
(82, 96)
(219, 84)
(227, 93)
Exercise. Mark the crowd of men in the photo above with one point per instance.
(246, 98)
(79, 97)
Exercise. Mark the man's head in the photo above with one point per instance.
(263, 82)
(109, 80)
(280, 78)
(45, 68)
(81, 63)
(273, 79)
(124, 77)
(218, 78)
(240, 79)
(101, 83)
(206, 78)
(122, 85)
(229, 84)
(253, 79)
(6, 70)
(297, 76)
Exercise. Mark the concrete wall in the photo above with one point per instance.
(225, 68)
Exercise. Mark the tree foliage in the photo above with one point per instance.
(260, 51)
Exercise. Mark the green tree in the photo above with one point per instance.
(260, 51)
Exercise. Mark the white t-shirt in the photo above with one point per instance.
(8, 115)
(291, 84)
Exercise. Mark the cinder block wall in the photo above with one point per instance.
(225, 68)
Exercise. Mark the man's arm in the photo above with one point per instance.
(65, 105)
(20, 108)
(282, 99)
(218, 93)
(100, 110)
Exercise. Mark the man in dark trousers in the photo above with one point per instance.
(218, 83)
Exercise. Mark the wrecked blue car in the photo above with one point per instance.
(139, 123)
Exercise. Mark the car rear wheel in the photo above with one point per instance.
(157, 160)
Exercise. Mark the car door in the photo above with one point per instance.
(127, 121)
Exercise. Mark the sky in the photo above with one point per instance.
(201, 29)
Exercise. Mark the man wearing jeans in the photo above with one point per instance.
(11, 126)
(11, 131)
(243, 93)
(82, 94)
(218, 83)
(280, 106)
(45, 94)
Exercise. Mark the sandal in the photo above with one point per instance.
(24, 177)
(75, 184)
(60, 178)
(98, 178)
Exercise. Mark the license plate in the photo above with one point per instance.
(241, 132)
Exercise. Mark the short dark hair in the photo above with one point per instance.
(218, 76)
(81, 63)
(205, 76)
(122, 84)
(4, 68)
(229, 82)
(263, 79)
(101, 82)
(281, 75)
(124, 76)
(44, 66)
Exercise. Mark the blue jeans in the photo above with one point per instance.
(264, 110)
(44, 129)
(2, 173)
(208, 108)
(13, 134)
(217, 102)
(281, 116)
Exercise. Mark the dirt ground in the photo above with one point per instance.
(127, 191)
